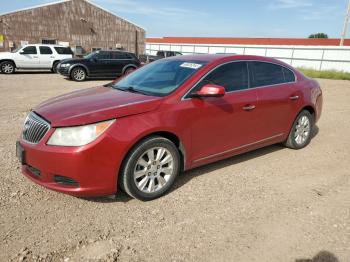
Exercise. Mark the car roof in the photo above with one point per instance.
(221, 58)
(46, 45)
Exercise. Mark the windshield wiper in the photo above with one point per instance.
(132, 90)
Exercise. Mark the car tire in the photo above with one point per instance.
(54, 67)
(301, 132)
(129, 70)
(7, 67)
(150, 168)
(78, 74)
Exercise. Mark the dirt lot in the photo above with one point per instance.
(273, 204)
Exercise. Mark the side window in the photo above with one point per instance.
(265, 74)
(121, 55)
(64, 50)
(45, 50)
(29, 50)
(288, 75)
(232, 76)
(104, 55)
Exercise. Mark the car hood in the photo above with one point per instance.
(94, 105)
(5, 55)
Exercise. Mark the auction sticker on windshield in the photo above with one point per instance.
(191, 65)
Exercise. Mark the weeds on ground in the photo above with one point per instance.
(329, 74)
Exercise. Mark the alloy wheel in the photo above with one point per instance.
(302, 130)
(7, 68)
(79, 74)
(153, 169)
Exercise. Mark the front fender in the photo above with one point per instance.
(79, 65)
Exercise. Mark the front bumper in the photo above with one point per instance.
(63, 70)
(87, 171)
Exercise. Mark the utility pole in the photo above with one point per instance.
(346, 23)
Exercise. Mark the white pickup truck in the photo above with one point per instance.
(38, 56)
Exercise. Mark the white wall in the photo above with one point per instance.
(314, 57)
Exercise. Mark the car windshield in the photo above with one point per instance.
(159, 78)
(16, 50)
(90, 55)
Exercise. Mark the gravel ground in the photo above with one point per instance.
(273, 204)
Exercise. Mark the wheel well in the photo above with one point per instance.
(129, 66)
(173, 138)
(310, 109)
(54, 62)
(8, 60)
(83, 67)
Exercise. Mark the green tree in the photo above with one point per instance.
(319, 35)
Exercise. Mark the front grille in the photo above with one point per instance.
(67, 181)
(34, 128)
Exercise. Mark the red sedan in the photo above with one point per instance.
(172, 115)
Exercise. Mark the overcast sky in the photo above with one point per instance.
(227, 18)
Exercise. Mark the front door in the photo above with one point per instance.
(227, 124)
(28, 57)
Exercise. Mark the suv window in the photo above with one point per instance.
(103, 55)
(121, 55)
(45, 50)
(265, 74)
(233, 76)
(63, 50)
(29, 50)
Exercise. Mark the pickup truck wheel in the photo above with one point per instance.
(78, 74)
(7, 67)
(54, 67)
(129, 70)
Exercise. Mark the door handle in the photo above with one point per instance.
(294, 97)
(35, 57)
(249, 107)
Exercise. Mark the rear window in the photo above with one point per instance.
(121, 55)
(63, 50)
(265, 74)
(288, 75)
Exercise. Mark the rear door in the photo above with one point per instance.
(28, 57)
(119, 61)
(46, 57)
(227, 124)
(277, 97)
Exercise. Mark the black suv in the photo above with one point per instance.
(111, 63)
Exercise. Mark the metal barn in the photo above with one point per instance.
(80, 24)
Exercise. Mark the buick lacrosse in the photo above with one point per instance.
(139, 132)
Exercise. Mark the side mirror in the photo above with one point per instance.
(210, 90)
(22, 53)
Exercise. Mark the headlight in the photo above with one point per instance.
(64, 65)
(79, 135)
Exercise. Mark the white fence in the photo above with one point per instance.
(314, 57)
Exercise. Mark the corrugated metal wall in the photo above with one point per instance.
(314, 57)
(77, 22)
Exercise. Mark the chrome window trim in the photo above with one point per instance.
(184, 97)
(237, 148)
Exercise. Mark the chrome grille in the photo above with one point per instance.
(34, 128)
